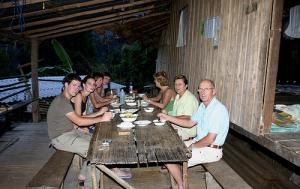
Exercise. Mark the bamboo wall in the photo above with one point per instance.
(238, 65)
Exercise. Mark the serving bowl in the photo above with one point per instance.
(129, 100)
(128, 117)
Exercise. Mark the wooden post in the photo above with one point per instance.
(34, 80)
(273, 58)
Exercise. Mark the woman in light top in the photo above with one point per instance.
(165, 99)
(184, 106)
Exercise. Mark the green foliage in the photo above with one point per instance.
(63, 56)
(137, 64)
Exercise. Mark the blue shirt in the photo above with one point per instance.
(212, 119)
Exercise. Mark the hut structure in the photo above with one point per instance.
(233, 42)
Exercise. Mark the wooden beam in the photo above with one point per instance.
(34, 80)
(150, 23)
(59, 9)
(272, 65)
(87, 21)
(100, 26)
(162, 25)
(158, 29)
(27, 2)
(84, 13)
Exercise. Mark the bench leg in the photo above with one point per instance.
(95, 184)
(185, 175)
(101, 180)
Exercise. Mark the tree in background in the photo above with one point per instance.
(90, 52)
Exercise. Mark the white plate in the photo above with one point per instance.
(126, 125)
(142, 122)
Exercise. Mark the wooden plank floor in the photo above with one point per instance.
(24, 150)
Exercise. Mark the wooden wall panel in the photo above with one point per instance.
(238, 65)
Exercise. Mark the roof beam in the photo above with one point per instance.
(27, 2)
(113, 19)
(61, 27)
(162, 25)
(84, 13)
(150, 23)
(101, 25)
(59, 9)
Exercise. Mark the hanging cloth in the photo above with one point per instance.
(293, 29)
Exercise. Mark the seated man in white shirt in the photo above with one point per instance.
(212, 122)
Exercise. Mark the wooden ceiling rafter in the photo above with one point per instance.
(115, 17)
(6, 5)
(79, 14)
(59, 8)
(161, 25)
(101, 25)
(150, 23)
(89, 20)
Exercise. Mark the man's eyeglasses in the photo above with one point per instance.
(204, 89)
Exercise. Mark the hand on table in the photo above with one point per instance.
(107, 116)
(163, 116)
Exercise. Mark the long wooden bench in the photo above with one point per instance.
(52, 175)
(226, 177)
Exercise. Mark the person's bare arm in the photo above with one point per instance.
(165, 101)
(183, 122)
(98, 104)
(86, 121)
(207, 140)
(98, 113)
(157, 98)
(77, 104)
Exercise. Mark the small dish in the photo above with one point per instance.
(131, 103)
(149, 109)
(115, 104)
(158, 123)
(142, 123)
(141, 95)
(144, 103)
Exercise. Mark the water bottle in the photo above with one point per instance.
(130, 88)
(122, 97)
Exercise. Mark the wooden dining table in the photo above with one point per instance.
(141, 146)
